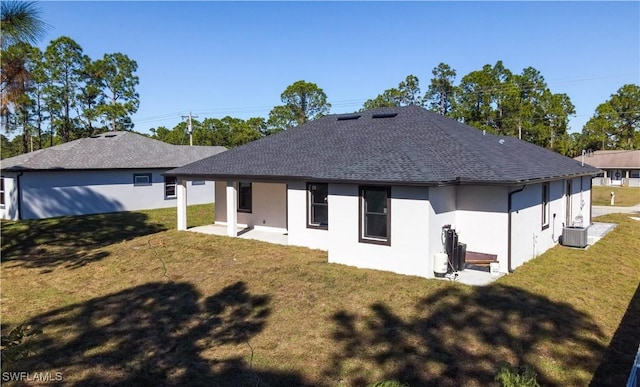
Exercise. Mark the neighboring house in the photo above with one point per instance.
(113, 171)
(619, 167)
(376, 188)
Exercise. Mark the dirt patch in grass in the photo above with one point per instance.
(625, 196)
(181, 308)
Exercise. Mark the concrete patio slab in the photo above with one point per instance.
(276, 237)
(597, 230)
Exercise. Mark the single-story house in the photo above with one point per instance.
(113, 171)
(619, 167)
(377, 188)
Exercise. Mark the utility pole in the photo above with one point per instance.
(189, 127)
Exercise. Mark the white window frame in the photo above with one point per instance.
(2, 192)
(141, 179)
(546, 206)
(169, 183)
(311, 188)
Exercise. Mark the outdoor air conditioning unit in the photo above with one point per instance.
(574, 236)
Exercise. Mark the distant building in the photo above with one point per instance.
(619, 167)
(110, 172)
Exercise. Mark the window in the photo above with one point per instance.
(318, 207)
(197, 182)
(545, 205)
(2, 191)
(375, 215)
(170, 183)
(141, 179)
(244, 196)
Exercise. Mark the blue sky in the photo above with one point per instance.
(235, 58)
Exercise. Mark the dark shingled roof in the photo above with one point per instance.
(408, 145)
(111, 150)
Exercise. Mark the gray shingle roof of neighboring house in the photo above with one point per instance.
(405, 145)
(617, 159)
(111, 150)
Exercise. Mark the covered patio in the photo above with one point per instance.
(263, 235)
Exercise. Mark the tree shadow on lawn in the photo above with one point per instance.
(460, 337)
(617, 361)
(48, 243)
(154, 334)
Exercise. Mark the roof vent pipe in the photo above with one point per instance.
(484, 132)
(583, 152)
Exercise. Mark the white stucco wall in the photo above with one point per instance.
(220, 215)
(529, 238)
(9, 210)
(299, 233)
(268, 206)
(482, 220)
(580, 203)
(409, 249)
(585, 200)
(478, 213)
(60, 193)
(442, 211)
(582, 199)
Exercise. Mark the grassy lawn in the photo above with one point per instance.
(126, 299)
(625, 196)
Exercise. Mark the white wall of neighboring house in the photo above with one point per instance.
(46, 194)
(9, 209)
(627, 178)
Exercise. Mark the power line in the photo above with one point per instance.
(359, 102)
(190, 127)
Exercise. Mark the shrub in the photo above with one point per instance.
(388, 383)
(524, 376)
(11, 345)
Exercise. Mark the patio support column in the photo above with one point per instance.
(181, 188)
(232, 205)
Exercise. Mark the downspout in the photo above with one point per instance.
(19, 195)
(509, 268)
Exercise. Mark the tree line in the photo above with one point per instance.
(521, 105)
(61, 94)
(492, 98)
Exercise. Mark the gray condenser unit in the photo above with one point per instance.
(574, 236)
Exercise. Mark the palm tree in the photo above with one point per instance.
(20, 23)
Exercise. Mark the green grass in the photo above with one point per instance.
(625, 196)
(146, 304)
